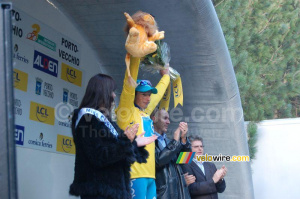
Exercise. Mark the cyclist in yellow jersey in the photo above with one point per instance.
(136, 104)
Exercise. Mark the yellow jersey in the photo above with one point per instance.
(129, 114)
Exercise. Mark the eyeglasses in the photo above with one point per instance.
(144, 83)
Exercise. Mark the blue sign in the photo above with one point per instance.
(19, 134)
(65, 97)
(38, 87)
(45, 63)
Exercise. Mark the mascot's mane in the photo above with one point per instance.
(138, 18)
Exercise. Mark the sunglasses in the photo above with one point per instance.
(144, 83)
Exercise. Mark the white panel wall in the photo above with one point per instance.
(41, 174)
(275, 170)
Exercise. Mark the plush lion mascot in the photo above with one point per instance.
(142, 31)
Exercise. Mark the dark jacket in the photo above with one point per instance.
(170, 182)
(102, 162)
(204, 187)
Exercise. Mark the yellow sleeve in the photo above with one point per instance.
(126, 104)
(161, 89)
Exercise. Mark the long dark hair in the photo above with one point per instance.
(98, 93)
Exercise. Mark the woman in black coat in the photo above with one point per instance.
(104, 153)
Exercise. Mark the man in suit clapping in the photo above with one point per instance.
(209, 180)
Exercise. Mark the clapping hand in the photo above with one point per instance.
(183, 126)
(189, 179)
(219, 174)
(224, 171)
(130, 132)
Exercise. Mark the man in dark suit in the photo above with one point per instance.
(209, 180)
(171, 183)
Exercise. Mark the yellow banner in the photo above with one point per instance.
(65, 144)
(165, 101)
(41, 113)
(178, 92)
(20, 80)
(71, 74)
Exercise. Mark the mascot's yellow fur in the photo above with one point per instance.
(142, 32)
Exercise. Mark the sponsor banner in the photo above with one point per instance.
(45, 104)
(40, 142)
(21, 54)
(65, 144)
(42, 36)
(41, 113)
(36, 36)
(19, 134)
(71, 99)
(20, 80)
(71, 74)
(43, 88)
(34, 32)
(45, 63)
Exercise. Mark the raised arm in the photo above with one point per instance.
(161, 89)
(126, 105)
